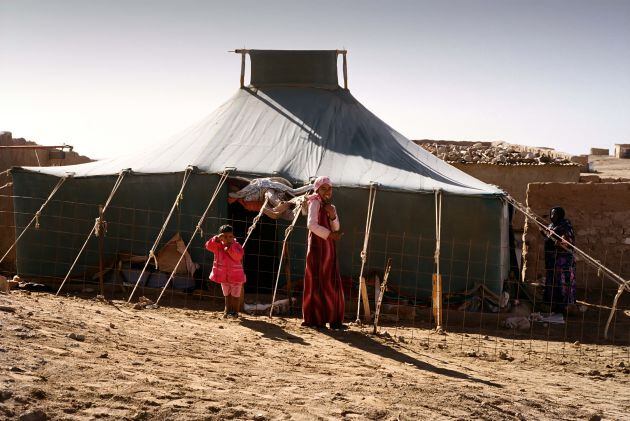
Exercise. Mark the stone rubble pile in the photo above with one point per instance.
(499, 153)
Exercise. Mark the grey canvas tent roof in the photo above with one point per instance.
(298, 132)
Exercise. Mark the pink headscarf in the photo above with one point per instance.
(320, 181)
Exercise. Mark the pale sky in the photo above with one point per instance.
(113, 76)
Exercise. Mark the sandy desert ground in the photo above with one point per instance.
(81, 359)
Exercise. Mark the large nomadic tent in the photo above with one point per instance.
(293, 121)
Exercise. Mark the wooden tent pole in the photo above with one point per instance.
(243, 52)
(377, 311)
(437, 276)
(345, 70)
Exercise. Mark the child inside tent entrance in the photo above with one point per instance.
(261, 258)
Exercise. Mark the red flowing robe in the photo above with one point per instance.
(323, 300)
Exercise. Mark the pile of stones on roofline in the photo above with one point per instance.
(499, 153)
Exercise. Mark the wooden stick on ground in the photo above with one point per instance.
(101, 282)
(377, 312)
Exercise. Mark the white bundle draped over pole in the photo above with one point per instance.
(437, 277)
(366, 241)
(222, 180)
(622, 283)
(178, 199)
(287, 232)
(98, 223)
(37, 214)
(255, 221)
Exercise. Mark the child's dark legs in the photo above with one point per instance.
(235, 302)
(232, 303)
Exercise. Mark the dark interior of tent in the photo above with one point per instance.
(262, 257)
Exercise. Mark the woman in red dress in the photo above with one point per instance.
(323, 300)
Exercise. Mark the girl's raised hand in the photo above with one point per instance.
(330, 211)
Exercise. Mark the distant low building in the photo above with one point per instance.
(21, 152)
(622, 150)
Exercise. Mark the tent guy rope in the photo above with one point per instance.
(364, 250)
(97, 224)
(287, 233)
(220, 184)
(178, 199)
(37, 214)
(252, 227)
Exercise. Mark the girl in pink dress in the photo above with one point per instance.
(227, 268)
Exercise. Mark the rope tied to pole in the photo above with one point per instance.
(100, 227)
(121, 176)
(9, 184)
(37, 214)
(438, 228)
(222, 181)
(178, 201)
(152, 256)
(366, 241)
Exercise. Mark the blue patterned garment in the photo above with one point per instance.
(560, 282)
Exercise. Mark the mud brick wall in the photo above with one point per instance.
(514, 179)
(600, 214)
(15, 158)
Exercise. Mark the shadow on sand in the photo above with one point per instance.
(272, 331)
(365, 343)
